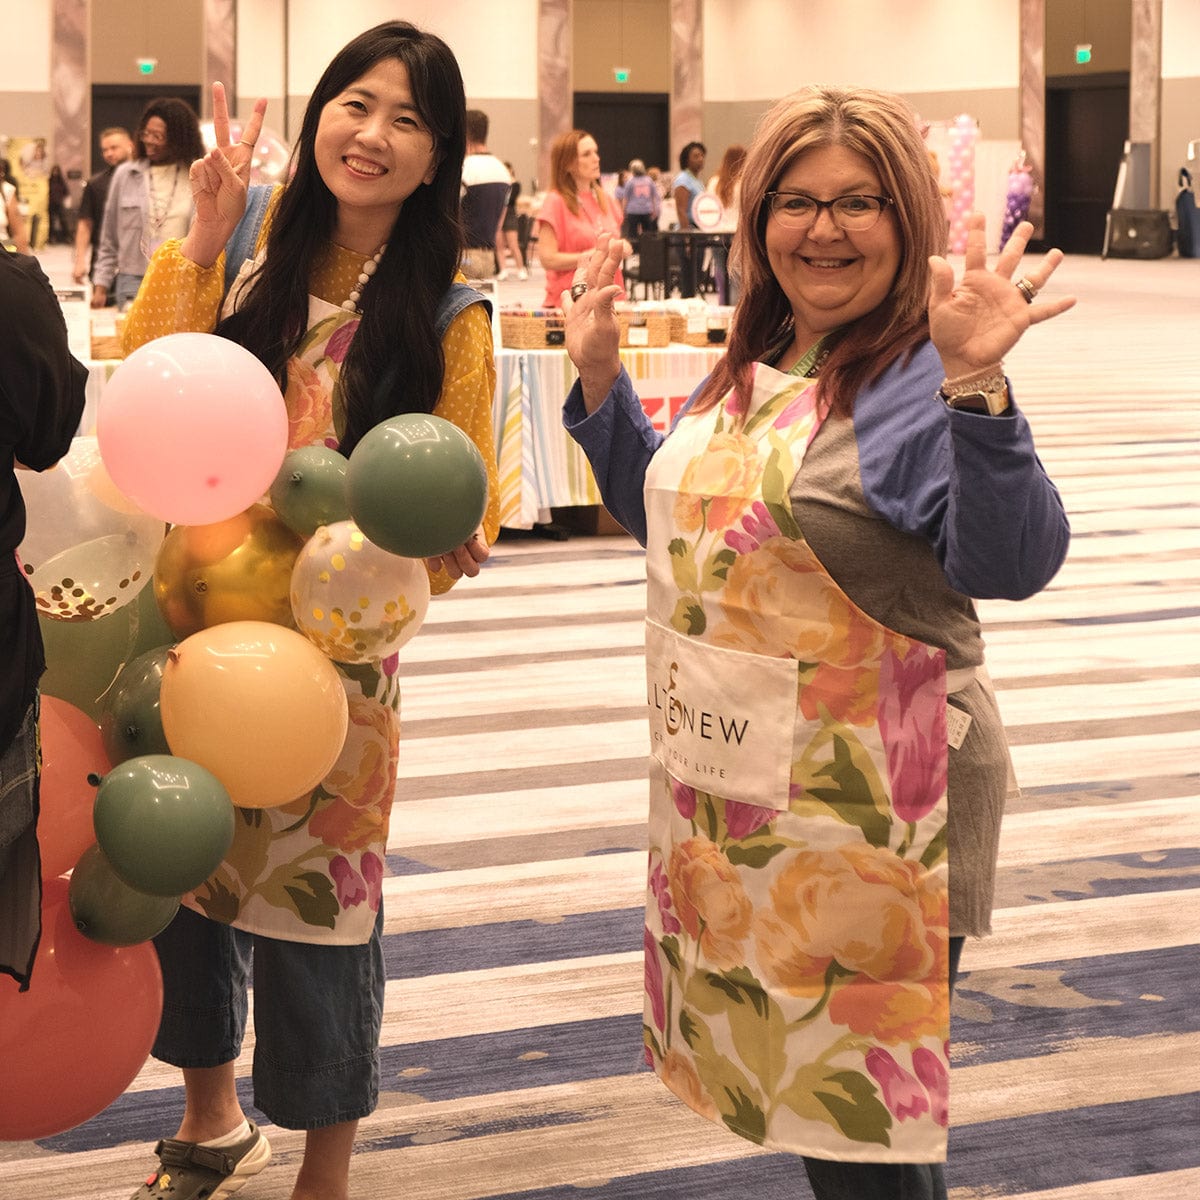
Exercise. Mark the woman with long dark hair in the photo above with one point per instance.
(348, 293)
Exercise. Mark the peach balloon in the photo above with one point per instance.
(259, 706)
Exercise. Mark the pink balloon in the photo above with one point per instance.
(192, 428)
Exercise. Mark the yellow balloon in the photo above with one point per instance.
(234, 570)
(354, 601)
(257, 705)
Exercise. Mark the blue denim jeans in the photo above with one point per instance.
(318, 1012)
(882, 1181)
(125, 289)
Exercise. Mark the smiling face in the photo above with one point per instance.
(154, 139)
(373, 151)
(829, 276)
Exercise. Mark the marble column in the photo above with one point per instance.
(555, 96)
(1033, 103)
(70, 91)
(687, 78)
(1145, 83)
(220, 53)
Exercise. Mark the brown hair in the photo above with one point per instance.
(564, 154)
(730, 170)
(881, 128)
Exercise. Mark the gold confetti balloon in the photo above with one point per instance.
(87, 550)
(234, 570)
(354, 601)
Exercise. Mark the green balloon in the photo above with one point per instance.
(310, 489)
(108, 910)
(83, 657)
(164, 823)
(130, 720)
(150, 629)
(417, 485)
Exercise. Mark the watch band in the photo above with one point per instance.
(989, 403)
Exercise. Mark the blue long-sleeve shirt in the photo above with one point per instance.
(971, 486)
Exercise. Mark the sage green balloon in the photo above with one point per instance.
(417, 485)
(106, 909)
(83, 657)
(164, 823)
(310, 490)
(130, 721)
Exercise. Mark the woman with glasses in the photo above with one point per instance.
(828, 764)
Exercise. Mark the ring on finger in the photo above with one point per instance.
(577, 289)
(1026, 287)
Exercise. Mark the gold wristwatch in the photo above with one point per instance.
(985, 393)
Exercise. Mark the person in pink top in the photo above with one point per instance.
(574, 213)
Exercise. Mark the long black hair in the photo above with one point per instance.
(395, 361)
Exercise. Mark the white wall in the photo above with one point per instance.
(1181, 41)
(495, 41)
(25, 46)
(756, 49)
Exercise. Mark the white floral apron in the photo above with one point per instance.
(797, 913)
(312, 870)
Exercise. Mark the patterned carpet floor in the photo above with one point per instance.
(512, 1063)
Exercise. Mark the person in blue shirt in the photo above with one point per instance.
(687, 187)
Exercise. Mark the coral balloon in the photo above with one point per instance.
(417, 485)
(87, 551)
(310, 489)
(354, 601)
(258, 705)
(72, 749)
(107, 910)
(192, 428)
(164, 823)
(233, 570)
(130, 721)
(77, 1038)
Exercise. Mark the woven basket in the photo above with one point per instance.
(644, 328)
(107, 345)
(700, 330)
(523, 331)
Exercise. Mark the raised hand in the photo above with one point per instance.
(219, 182)
(977, 320)
(593, 333)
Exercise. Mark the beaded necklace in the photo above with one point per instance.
(350, 304)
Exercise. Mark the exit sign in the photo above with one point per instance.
(1083, 53)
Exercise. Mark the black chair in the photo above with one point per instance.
(651, 270)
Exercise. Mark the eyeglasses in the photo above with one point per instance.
(853, 214)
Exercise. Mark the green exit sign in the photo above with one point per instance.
(146, 65)
(621, 74)
(1083, 53)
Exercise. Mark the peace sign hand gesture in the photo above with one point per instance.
(975, 322)
(219, 182)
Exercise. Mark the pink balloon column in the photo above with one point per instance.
(963, 135)
(1019, 198)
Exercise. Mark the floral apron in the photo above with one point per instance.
(797, 911)
(312, 870)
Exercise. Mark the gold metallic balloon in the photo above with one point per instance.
(234, 570)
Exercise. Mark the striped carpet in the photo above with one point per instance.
(512, 1062)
